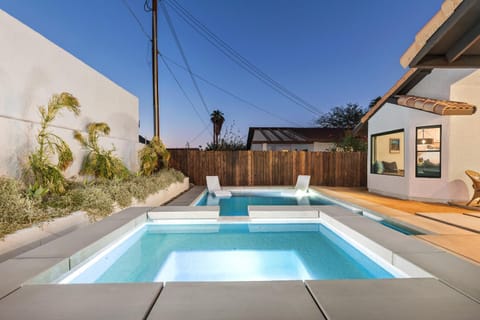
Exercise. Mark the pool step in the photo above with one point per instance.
(184, 212)
(283, 212)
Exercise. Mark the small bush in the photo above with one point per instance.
(42, 173)
(153, 157)
(16, 210)
(99, 162)
(20, 208)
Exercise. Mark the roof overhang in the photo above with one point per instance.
(409, 80)
(451, 39)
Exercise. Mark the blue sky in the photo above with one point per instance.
(327, 52)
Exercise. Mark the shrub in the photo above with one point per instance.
(42, 172)
(99, 162)
(153, 157)
(97, 198)
(16, 210)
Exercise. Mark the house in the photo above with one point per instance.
(32, 69)
(293, 139)
(425, 131)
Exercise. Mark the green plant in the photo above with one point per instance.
(44, 173)
(20, 209)
(99, 162)
(16, 210)
(230, 141)
(153, 157)
(351, 143)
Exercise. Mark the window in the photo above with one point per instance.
(428, 152)
(388, 153)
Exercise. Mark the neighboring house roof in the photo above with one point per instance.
(450, 39)
(287, 135)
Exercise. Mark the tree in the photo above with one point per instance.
(230, 141)
(374, 102)
(217, 119)
(99, 162)
(351, 144)
(46, 174)
(345, 117)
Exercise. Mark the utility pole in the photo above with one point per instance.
(156, 107)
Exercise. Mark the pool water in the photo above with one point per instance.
(237, 205)
(230, 252)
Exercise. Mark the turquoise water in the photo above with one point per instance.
(237, 205)
(231, 252)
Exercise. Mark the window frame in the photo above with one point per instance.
(439, 150)
(372, 136)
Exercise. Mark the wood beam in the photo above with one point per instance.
(464, 43)
(436, 61)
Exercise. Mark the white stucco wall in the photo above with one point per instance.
(32, 69)
(460, 139)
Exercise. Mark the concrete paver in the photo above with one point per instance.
(455, 271)
(388, 238)
(186, 198)
(472, 214)
(71, 243)
(431, 225)
(465, 245)
(130, 301)
(235, 300)
(460, 220)
(14, 272)
(392, 299)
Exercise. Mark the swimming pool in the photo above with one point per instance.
(228, 252)
(237, 205)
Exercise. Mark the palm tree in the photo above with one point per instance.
(217, 119)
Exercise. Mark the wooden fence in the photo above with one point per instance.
(256, 168)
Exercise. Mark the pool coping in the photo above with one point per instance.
(66, 252)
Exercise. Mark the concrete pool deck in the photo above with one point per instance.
(453, 293)
(451, 228)
(458, 240)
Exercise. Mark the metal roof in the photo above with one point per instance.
(289, 135)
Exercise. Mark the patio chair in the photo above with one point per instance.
(475, 176)
(213, 186)
(303, 182)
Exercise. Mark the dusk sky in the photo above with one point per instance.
(329, 53)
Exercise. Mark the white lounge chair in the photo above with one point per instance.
(213, 186)
(300, 189)
(303, 182)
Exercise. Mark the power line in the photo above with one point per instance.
(199, 134)
(184, 57)
(230, 93)
(182, 89)
(137, 19)
(236, 57)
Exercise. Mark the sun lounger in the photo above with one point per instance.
(303, 182)
(301, 187)
(213, 186)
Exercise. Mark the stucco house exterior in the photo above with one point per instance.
(32, 69)
(425, 131)
(293, 139)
